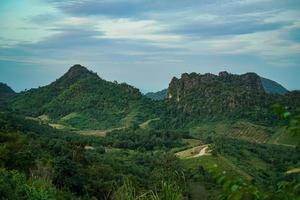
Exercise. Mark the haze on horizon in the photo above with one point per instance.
(146, 43)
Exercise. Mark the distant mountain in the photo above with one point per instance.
(273, 87)
(160, 95)
(5, 93)
(81, 99)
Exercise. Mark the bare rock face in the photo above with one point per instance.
(211, 93)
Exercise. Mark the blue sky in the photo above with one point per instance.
(147, 42)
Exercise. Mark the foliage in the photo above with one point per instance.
(144, 139)
(236, 189)
(135, 161)
(96, 102)
(13, 185)
(265, 163)
(291, 117)
(61, 161)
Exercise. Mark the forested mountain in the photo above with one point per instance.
(212, 137)
(160, 95)
(270, 86)
(82, 99)
(229, 95)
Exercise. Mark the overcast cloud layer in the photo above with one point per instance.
(147, 42)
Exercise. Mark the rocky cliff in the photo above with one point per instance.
(210, 94)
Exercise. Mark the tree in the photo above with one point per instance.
(67, 174)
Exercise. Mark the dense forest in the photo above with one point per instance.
(212, 137)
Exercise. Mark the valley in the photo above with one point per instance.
(205, 137)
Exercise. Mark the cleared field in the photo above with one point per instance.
(193, 152)
(250, 132)
(57, 126)
(44, 118)
(70, 116)
(145, 124)
(99, 133)
(293, 171)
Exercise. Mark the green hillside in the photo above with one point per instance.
(98, 104)
(213, 137)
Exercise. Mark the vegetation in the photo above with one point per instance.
(82, 100)
(62, 162)
(82, 137)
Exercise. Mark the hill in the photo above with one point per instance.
(197, 97)
(160, 95)
(273, 87)
(270, 86)
(205, 121)
(210, 94)
(81, 99)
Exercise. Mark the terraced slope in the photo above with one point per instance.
(250, 132)
(241, 130)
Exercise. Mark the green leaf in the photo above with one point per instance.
(286, 114)
(234, 188)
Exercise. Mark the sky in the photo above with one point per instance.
(147, 42)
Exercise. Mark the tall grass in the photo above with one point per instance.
(167, 191)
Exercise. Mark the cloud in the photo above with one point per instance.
(145, 30)
(120, 8)
(126, 37)
(202, 29)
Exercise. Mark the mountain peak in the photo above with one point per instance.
(77, 68)
(75, 73)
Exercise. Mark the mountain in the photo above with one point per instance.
(5, 93)
(273, 87)
(215, 93)
(160, 95)
(148, 141)
(231, 96)
(81, 99)
(270, 86)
